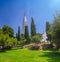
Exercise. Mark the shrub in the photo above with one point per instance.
(22, 41)
(35, 39)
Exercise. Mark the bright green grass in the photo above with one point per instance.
(25, 55)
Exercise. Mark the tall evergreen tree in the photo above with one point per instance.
(18, 34)
(26, 34)
(48, 30)
(56, 31)
(47, 26)
(33, 28)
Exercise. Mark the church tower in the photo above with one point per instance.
(24, 24)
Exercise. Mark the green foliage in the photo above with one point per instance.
(6, 37)
(11, 42)
(47, 26)
(18, 35)
(5, 41)
(33, 28)
(23, 41)
(49, 31)
(8, 30)
(49, 34)
(36, 39)
(26, 34)
(56, 30)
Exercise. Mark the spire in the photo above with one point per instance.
(25, 20)
(24, 23)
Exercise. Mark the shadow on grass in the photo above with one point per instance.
(52, 56)
(16, 48)
(2, 51)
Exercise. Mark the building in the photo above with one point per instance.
(24, 24)
(44, 37)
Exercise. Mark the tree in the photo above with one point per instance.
(26, 34)
(8, 30)
(3, 38)
(33, 28)
(7, 39)
(7, 42)
(56, 31)
(47, 26)
(36, 39)
(48, 31)
(18, 35)
(11, 42)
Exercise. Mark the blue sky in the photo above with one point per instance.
(12, 12)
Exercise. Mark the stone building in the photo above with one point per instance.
(24, 24)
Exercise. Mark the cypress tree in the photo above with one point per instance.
(33, 28)
(48, 31)
(47, 26)
(18, 35)
(26, 34)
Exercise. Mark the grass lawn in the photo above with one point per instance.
(25, 55)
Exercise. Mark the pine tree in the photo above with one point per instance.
(33, 28)
(18, 35)
(26, 34)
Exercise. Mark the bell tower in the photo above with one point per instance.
(24, 23)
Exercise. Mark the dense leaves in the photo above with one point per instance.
(8, 30)
(33, 27)
(56, 30)
(7, 37)
(49, 31)
(26, 34)
(18, 34)
(36, 39)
